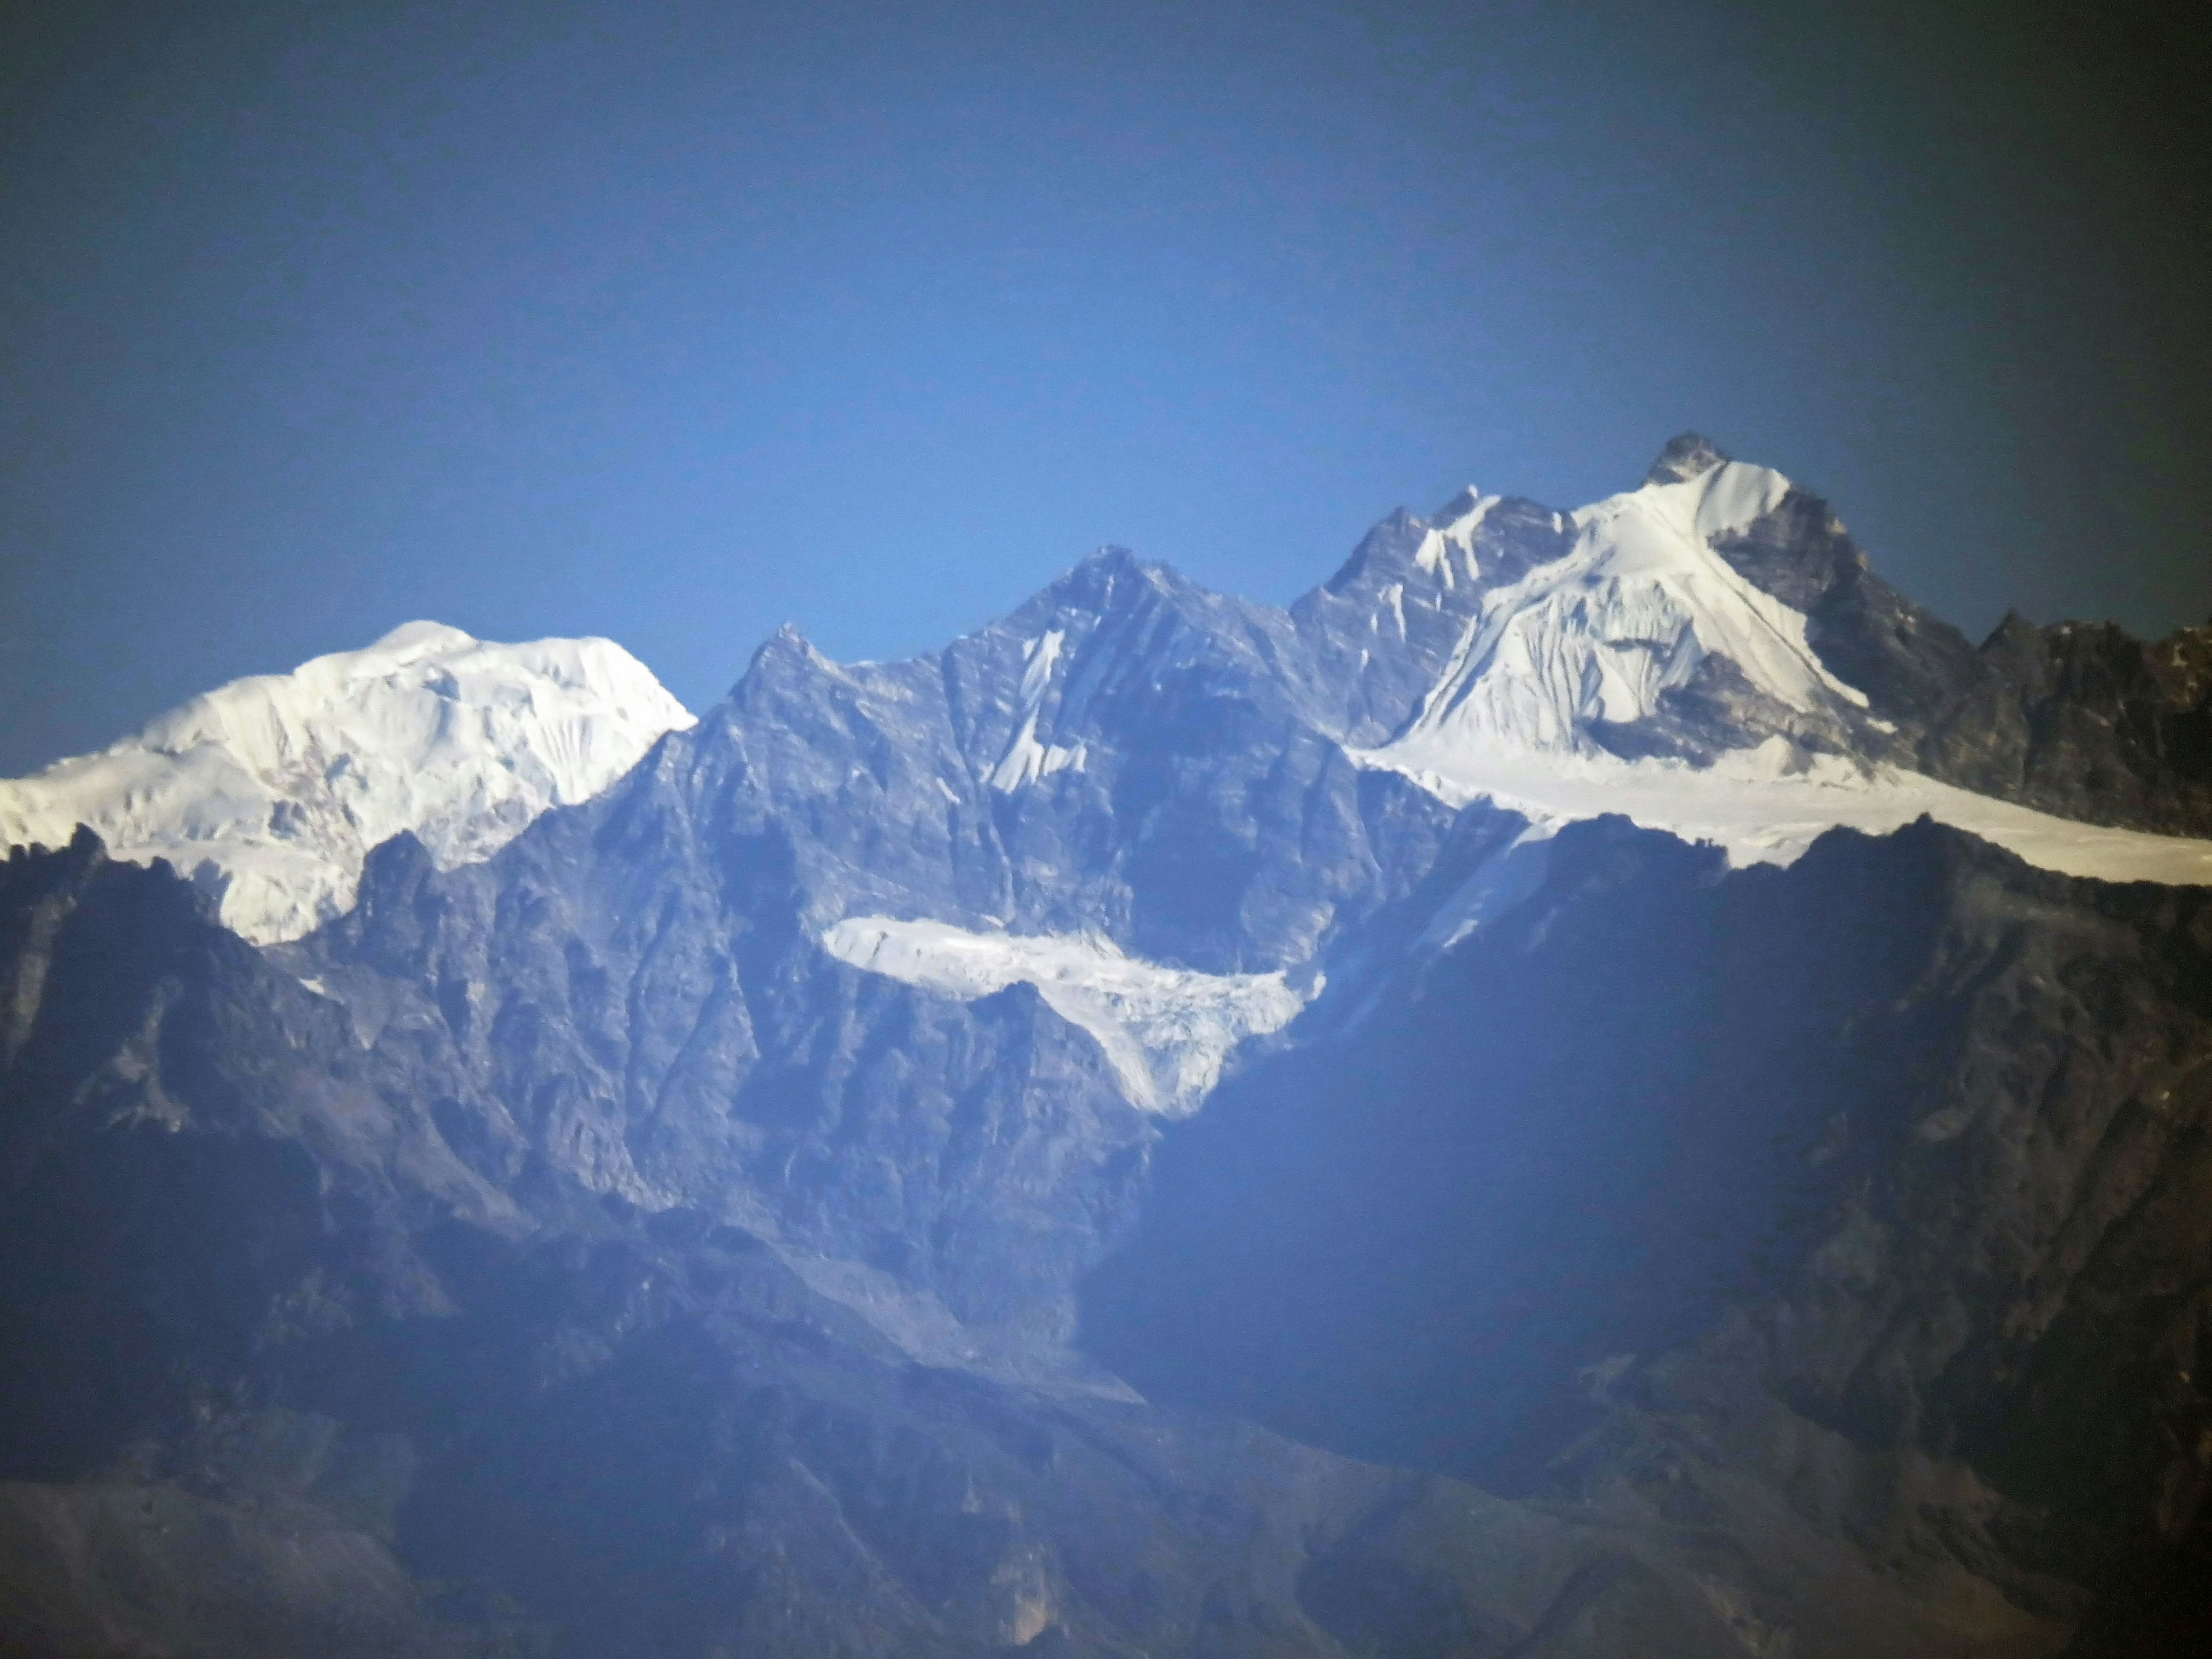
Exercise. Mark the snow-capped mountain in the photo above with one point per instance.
(1630, 657)
(1642, 672)
(1638, 611)
(687, 1198)
(270, 791)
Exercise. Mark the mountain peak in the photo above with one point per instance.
(1110, 575)
(1112, 558)
(784, 654)
(270, 792)
(1687, 455)
(434, 636)
(1462, 506)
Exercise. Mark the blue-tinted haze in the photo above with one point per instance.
(675, 321)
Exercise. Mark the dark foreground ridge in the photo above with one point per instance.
(568, 1254)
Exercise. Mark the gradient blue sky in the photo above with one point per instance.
(672, 322)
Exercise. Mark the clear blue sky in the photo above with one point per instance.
(674, 321)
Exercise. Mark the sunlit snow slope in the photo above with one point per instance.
(1544, 704)
(270, 791)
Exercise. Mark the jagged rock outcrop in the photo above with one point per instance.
(2078, 719)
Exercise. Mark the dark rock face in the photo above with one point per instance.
(2100, 725)
(1687, 455)
(2078, 719)
(572, 1255)
(1897, 1143)
(369, 1410)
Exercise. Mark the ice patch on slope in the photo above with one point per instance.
(1166, 1031)
(270, 791)
(1628, 613)
(1026, 760)
(1453, 531)
(1750, 803)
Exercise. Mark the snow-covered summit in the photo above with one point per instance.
(270, 791)
(1566, 660)
(1643, 673)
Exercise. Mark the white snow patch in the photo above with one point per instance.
(270, 791)
(1433, 556)
(1043, 655)
(1027, 760)
(1753, 805)
(1458, 532)
(1166, 1031)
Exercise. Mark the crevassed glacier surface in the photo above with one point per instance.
(1166, 1031)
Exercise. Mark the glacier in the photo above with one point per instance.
(1767, 805)
(1166, 1031)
